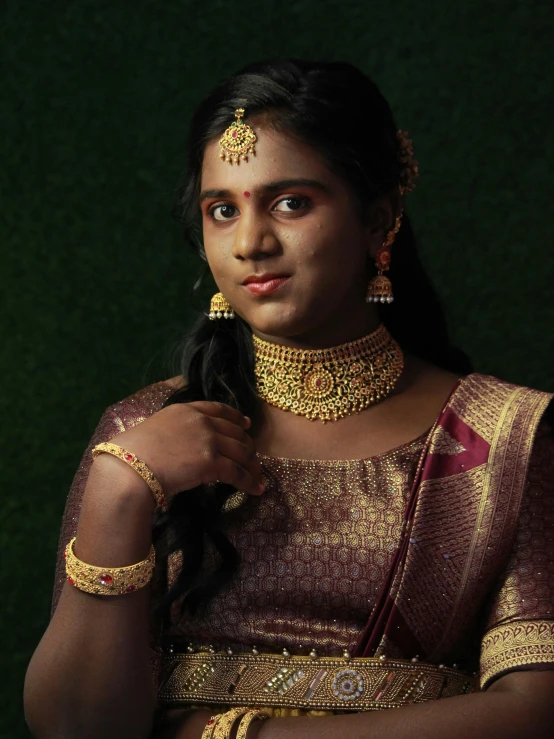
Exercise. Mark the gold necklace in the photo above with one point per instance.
(328, 384)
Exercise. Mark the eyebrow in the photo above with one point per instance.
(269, 187)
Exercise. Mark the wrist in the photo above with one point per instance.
(255, 729)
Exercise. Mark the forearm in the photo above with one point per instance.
(499, 714)
(90, 675)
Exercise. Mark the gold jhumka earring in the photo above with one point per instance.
(380, 287)
(220, 308)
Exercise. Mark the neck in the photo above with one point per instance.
(329, 335)
(331, 382)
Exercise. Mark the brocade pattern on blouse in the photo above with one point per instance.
(316, 546)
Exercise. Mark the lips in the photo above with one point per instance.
(264, 284)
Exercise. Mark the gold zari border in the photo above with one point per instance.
(514, 645)
(326, 683)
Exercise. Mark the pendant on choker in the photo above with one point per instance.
(328, 384)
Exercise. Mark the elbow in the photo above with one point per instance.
(39, 707)
(49, 714)
(30, 703)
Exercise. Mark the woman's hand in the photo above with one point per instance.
(190, 444)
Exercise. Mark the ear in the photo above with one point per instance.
(381, 216)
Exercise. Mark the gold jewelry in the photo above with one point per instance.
(328, 384)
(238, 140)
(247, 720)
(410, 166)
(222, 728)
(323, 683)
(137, 464)
(107, 580)
(220, 308)
(210, 726)
(380, 289)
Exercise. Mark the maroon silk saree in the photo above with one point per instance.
(460, 525)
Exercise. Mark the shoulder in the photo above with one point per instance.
(496, 398)
(144, 402)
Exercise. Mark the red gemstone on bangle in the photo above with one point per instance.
(70, 581)
(131, 588)
(105, 579)
(211, 721)
(128, 457)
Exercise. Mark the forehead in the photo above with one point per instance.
(278, 156)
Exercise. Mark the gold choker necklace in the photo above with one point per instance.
(328, 384)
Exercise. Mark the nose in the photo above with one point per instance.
(253, 238)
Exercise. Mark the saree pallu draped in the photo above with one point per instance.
(460, 524)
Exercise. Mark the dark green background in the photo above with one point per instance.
(95, 281)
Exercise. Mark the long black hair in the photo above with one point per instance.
(339, 111)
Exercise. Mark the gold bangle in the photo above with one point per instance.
(223, 727)
(137, 464)
(108, 580)
(247, 720)
(210, 726)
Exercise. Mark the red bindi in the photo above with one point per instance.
(246, 194)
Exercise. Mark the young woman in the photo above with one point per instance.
(346, 517)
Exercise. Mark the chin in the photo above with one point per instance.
(276, 321)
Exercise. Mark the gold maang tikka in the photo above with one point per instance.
(328, 384)
(238, 140)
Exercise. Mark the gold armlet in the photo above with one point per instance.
(108, 580)
(138, 465)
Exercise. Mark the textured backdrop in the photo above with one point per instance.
(95, 281)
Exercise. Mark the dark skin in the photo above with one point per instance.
(312, 232)
(324, 247)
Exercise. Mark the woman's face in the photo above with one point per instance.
(285, 242)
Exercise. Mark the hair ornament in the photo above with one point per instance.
(410, 166)
(238, 140)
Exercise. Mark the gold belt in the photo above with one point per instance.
(327, 683)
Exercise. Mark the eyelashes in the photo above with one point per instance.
(295, 203)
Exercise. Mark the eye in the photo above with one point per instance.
(292, 203)
(223, 212)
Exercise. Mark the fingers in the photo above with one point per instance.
(237, 465)
(233, 473)
(222, 410)
(232, 430)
